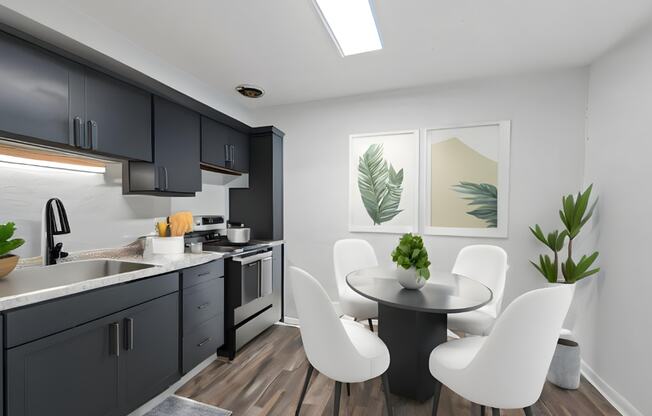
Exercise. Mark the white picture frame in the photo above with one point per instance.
(402, 151)
(503, 151)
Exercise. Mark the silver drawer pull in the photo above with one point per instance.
(203, 274)
(203, 342)
(203, 305)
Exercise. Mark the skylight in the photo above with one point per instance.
(351, 24)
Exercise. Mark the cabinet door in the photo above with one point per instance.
(224, 146)
(150, 362)
(176, 146)
(119, 117)
(214, 142)
(74, 372)
(34, 92)
(240, 151)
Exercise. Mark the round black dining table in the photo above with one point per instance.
(413, 322)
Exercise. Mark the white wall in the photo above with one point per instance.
(100, 216)
(547, 112)
(618, 343)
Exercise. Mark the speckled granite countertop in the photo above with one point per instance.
(28, 285)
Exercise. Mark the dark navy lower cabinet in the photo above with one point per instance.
(150, 341)
(202, 313)
(108, 366)
(74, 372)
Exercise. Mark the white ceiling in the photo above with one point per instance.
(282, 45)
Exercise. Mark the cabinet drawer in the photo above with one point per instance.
(202, 342)
(202, 273)
(37, 321)
(202, 302)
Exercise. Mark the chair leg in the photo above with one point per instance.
(528, 411)
(336, 401)
(348, 389)
(435, 397)
(371, 325)
(305, 388)
(388, 401)
(495, 412)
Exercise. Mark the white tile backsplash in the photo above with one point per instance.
(100, 216)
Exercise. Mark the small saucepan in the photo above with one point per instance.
(238, 234)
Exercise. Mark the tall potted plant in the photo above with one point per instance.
(411, 259)
(8, 261)
(575, 213)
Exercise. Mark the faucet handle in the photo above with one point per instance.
(56, 252)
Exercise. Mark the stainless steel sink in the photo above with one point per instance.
(30, 279)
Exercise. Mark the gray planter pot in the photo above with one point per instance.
(564, 369)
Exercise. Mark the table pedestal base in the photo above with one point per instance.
(410, 337)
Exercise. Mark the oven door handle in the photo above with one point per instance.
(251, 259)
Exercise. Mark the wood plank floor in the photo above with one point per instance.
(267, 375)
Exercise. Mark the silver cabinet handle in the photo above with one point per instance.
(129, 334)
(203, 305)
(114, 339)
(92, 135)
(203, 342)
(165, 169)
(76, 131)
(227, 153)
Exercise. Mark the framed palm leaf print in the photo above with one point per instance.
(383, 182)
(466, 180)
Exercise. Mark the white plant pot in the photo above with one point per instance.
(408, 278)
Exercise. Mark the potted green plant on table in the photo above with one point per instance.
(8, 261)
(575, 213)
(411, 259)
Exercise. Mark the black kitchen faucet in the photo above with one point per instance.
(55, 226)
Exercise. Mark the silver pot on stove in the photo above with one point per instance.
(237, 233)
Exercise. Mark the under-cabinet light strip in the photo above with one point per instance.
(13, 160)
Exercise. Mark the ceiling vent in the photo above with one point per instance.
(250, 91)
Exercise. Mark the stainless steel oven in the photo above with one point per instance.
(255, 276)
(253, 296)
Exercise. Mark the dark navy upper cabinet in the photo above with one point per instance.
(260, 206)
(118, 118)
(176, 147)
(53, 101)
(223, 146)
(37, 93)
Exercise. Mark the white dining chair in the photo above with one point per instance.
(486, 264)
(350, 255)
(506, 369)
(344, 351)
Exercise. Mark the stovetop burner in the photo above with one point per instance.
(223, 245)
(220, 244)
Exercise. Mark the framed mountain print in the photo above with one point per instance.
(383, 182)
(466, 180)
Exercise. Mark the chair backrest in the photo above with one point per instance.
(328, 347)
(486, 264)
(512, 364)
(350, 255)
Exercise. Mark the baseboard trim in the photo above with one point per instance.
(291, 321)
(619, 402)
